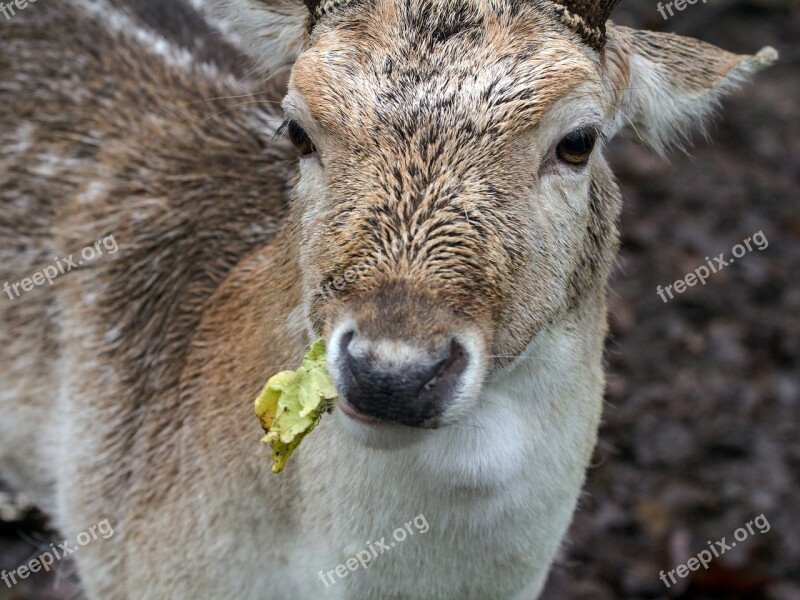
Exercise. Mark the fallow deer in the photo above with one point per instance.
(454, 147)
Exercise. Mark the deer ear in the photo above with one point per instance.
(271, 32)
(662, 86)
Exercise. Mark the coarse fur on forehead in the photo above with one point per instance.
(434, 120)
(493, 66)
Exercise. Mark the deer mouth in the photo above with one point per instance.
(357, 416)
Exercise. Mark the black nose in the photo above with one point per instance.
(393, 382)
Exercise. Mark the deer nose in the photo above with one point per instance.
(390, 381)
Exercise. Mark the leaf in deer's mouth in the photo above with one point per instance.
(292, 404)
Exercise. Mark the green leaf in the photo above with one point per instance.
(292, 404)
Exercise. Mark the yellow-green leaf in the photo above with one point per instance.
(292, 403)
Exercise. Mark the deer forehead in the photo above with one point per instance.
(383, 67)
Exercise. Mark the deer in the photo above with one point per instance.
(440, 161)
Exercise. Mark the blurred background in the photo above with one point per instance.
(701, 429)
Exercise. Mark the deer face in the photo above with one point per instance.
(452, 198)
(447, 160)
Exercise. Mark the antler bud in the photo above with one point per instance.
(587, 17)
(317, 8)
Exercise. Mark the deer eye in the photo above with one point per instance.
(299, 138)
(577, 146)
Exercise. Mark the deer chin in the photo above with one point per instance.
(380, 435)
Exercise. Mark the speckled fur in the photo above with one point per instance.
(126, 388)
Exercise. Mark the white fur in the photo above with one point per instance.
(273, 31)
(498, 489)
(21, 139)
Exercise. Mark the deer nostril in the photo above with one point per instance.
(450, 367)
(344, 343)
(395, 382)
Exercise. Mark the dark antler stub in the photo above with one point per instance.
(312, 6)
(318, 8)
(586, 17)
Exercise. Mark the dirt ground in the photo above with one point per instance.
(701, 430)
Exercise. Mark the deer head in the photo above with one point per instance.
(453, 199)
